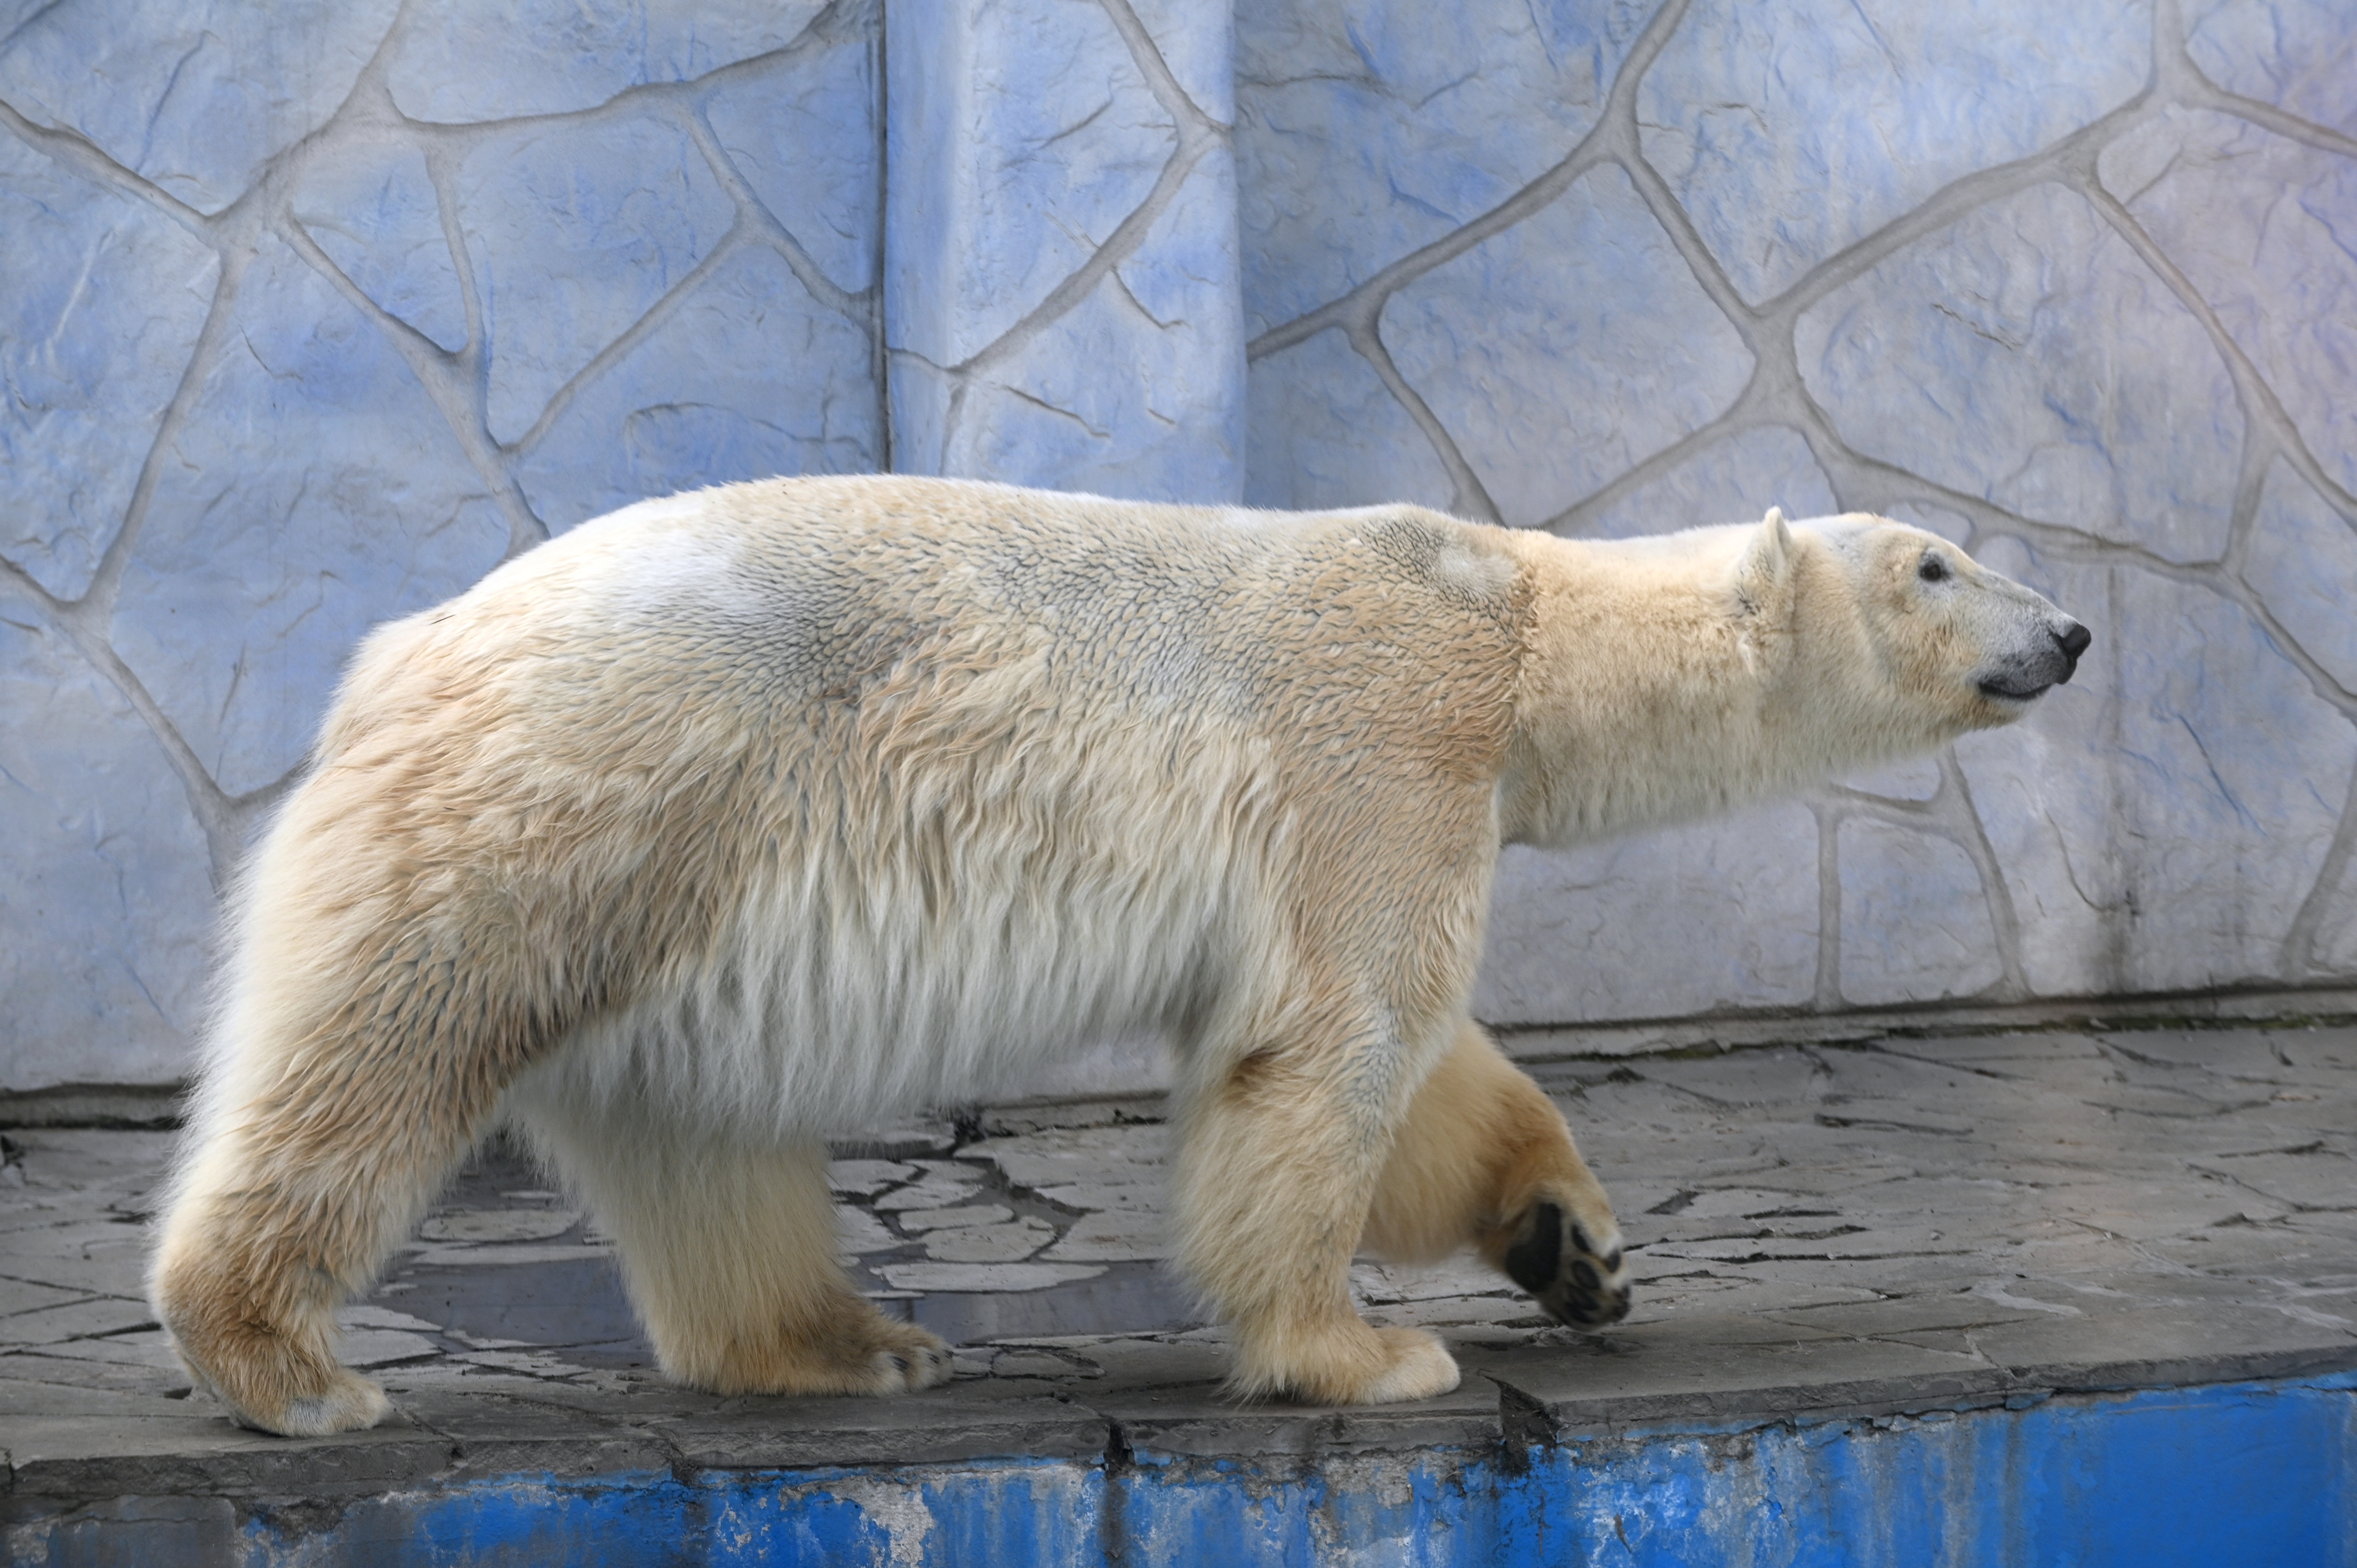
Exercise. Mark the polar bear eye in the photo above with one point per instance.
(1933, 569)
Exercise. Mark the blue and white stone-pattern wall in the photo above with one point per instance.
(1063, 301)
(312, 313)
(2075, 285)
(309, 315)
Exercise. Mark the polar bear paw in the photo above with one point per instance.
(869, 1355)
(917, 1360)
(1348, 1362)
(292, 1396)
(1420, 1368)
(1575, 1270)
(350, 1403)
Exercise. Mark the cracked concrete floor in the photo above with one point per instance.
(1908, 1222)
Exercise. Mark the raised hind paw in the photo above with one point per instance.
(1572, 1267)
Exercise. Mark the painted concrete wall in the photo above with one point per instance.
(310, 314)
(2240, 1473)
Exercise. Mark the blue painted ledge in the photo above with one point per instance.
(2238, 1474)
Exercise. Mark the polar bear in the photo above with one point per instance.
(734, 817)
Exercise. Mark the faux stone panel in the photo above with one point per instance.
(923, 406)
(103, 301)
(105, 878)
(1027, 135)
(1324, 431)
(2047, 799)
(1197, 43)
(1368, 129)
(1567, 348)
(576, 233)
(808, 142)
(2303, 563)
(702, 402)
(2027, 355)
(2192, 797)
(196, 97)
(1945, 522)
(2267, 231)
(1916, 778)
(1596, 932)
(2334, 952)
(1032, 141)
(2157, 823)
(1137, 392)
(471, 59)
(1734, 481)
(2299, 55)
(376, 214)
(312, 492)
(1855, 114)
(1914, 918)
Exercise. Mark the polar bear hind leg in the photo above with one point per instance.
(1484, 1158)
(297, 1190)
(728, 1252)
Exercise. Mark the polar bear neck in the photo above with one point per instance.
(1653, 689)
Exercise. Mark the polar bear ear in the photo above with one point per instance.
(1763, 575)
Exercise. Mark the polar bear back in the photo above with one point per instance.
(814, 586)
(795, 800)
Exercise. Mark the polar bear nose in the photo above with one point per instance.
(2072, 639)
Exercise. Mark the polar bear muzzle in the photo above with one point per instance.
(2028, 646)
(2042, 667)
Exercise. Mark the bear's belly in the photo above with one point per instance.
(818, 1014)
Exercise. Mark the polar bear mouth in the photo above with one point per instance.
(2003, 692)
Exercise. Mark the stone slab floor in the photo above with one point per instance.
(1911, 1224)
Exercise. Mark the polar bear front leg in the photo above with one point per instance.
(1484, 1158)
(729, 1252)
(1275, 1163)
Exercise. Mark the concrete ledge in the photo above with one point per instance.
(131, 1105)
(1693, 1376)
(2242, 1472)
(2260, 1008)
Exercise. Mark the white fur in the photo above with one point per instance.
(736, 817)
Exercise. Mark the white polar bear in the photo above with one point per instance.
(739, 816)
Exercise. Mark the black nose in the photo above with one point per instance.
(2073, 642)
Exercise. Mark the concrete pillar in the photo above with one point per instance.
(1062, 299)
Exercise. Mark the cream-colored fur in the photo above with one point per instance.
(738, 816)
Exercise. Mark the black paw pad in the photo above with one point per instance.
(1553, 1258)
(1537, 1255)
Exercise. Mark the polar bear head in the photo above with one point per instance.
(1674, 676)
(1901, 623)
